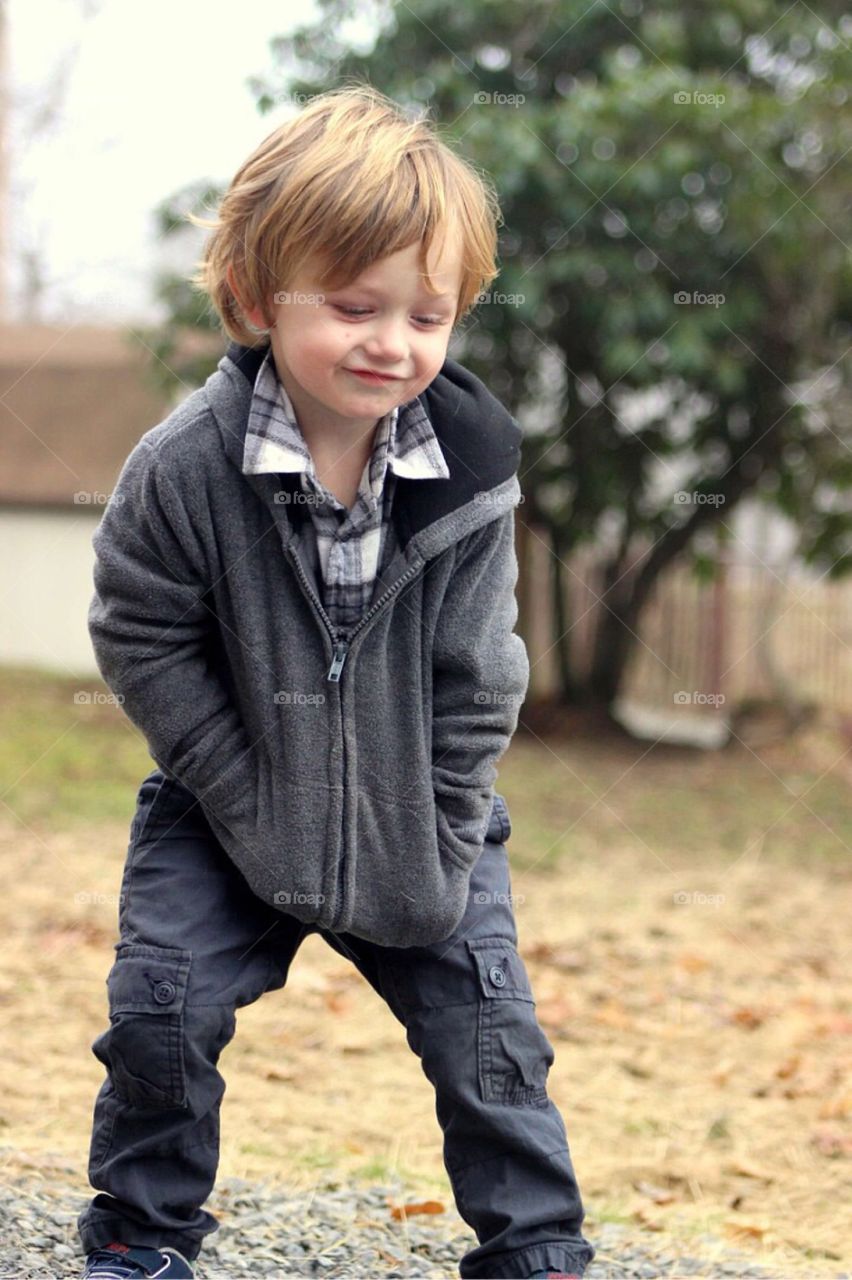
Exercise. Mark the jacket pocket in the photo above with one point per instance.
(400, 890)
(143, 1049)
(514, 1055)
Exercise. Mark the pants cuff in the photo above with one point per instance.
(536, 1257)
(99, 1231)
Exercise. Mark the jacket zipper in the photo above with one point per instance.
(342, 645)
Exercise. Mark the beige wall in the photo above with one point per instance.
(46, 562)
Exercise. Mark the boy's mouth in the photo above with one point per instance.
(380, 379)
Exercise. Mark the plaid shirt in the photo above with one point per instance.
(351, 546)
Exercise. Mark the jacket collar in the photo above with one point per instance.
(479, 439)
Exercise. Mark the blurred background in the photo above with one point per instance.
(671, 326)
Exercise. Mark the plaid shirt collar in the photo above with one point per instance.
(405, 440)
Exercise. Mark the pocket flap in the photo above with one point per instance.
(502, 972)
(146, 979)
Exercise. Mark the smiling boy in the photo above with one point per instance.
(347, 356)
(304, 596)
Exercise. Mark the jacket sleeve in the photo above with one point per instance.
(479, 680)
(148, 624)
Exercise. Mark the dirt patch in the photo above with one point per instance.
(701, 1023)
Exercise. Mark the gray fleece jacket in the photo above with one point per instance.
(348, 775)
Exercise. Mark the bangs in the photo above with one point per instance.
(349, 181)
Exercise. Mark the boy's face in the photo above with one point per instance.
(385, 322)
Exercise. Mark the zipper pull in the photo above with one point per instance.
(340, 651)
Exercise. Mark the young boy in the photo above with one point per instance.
(305, 599)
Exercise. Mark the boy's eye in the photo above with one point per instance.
(362, 311)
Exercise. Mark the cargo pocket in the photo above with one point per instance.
(144, 1046)
(514, 1055)
(150, 799)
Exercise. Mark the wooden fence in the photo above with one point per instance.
(755, 630)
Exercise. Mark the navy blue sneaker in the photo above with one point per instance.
(117, 1261)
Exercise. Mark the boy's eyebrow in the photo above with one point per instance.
(377, 293)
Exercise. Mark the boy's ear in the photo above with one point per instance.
(254, 315)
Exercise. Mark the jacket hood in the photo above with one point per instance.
(479, 438)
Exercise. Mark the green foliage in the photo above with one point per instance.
(643, 152)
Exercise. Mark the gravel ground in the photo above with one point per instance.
(332, 1231)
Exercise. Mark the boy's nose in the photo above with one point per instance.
(388, 344)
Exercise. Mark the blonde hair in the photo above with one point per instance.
(349, 180)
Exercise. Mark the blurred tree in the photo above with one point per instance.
(675, 297)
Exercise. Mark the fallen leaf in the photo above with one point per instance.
(746, 1017)
(746, 1230)
(426, 1206)
(636, 1069)
(789, 1067)
(722, 1071)
(692, 963)
(647, 1221)
(748, 1169)
(540, 951)
(836, 1108)
(274, 1073)
(658, 1194)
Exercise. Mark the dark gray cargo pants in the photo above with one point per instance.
(196, 944)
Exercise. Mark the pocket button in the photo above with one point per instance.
(497, 976)
(164, 992)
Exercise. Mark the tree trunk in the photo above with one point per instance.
(566, 687)
(614, 635)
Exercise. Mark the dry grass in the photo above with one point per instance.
(702, 1046)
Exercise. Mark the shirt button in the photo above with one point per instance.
(164, 992)
(497, 975)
